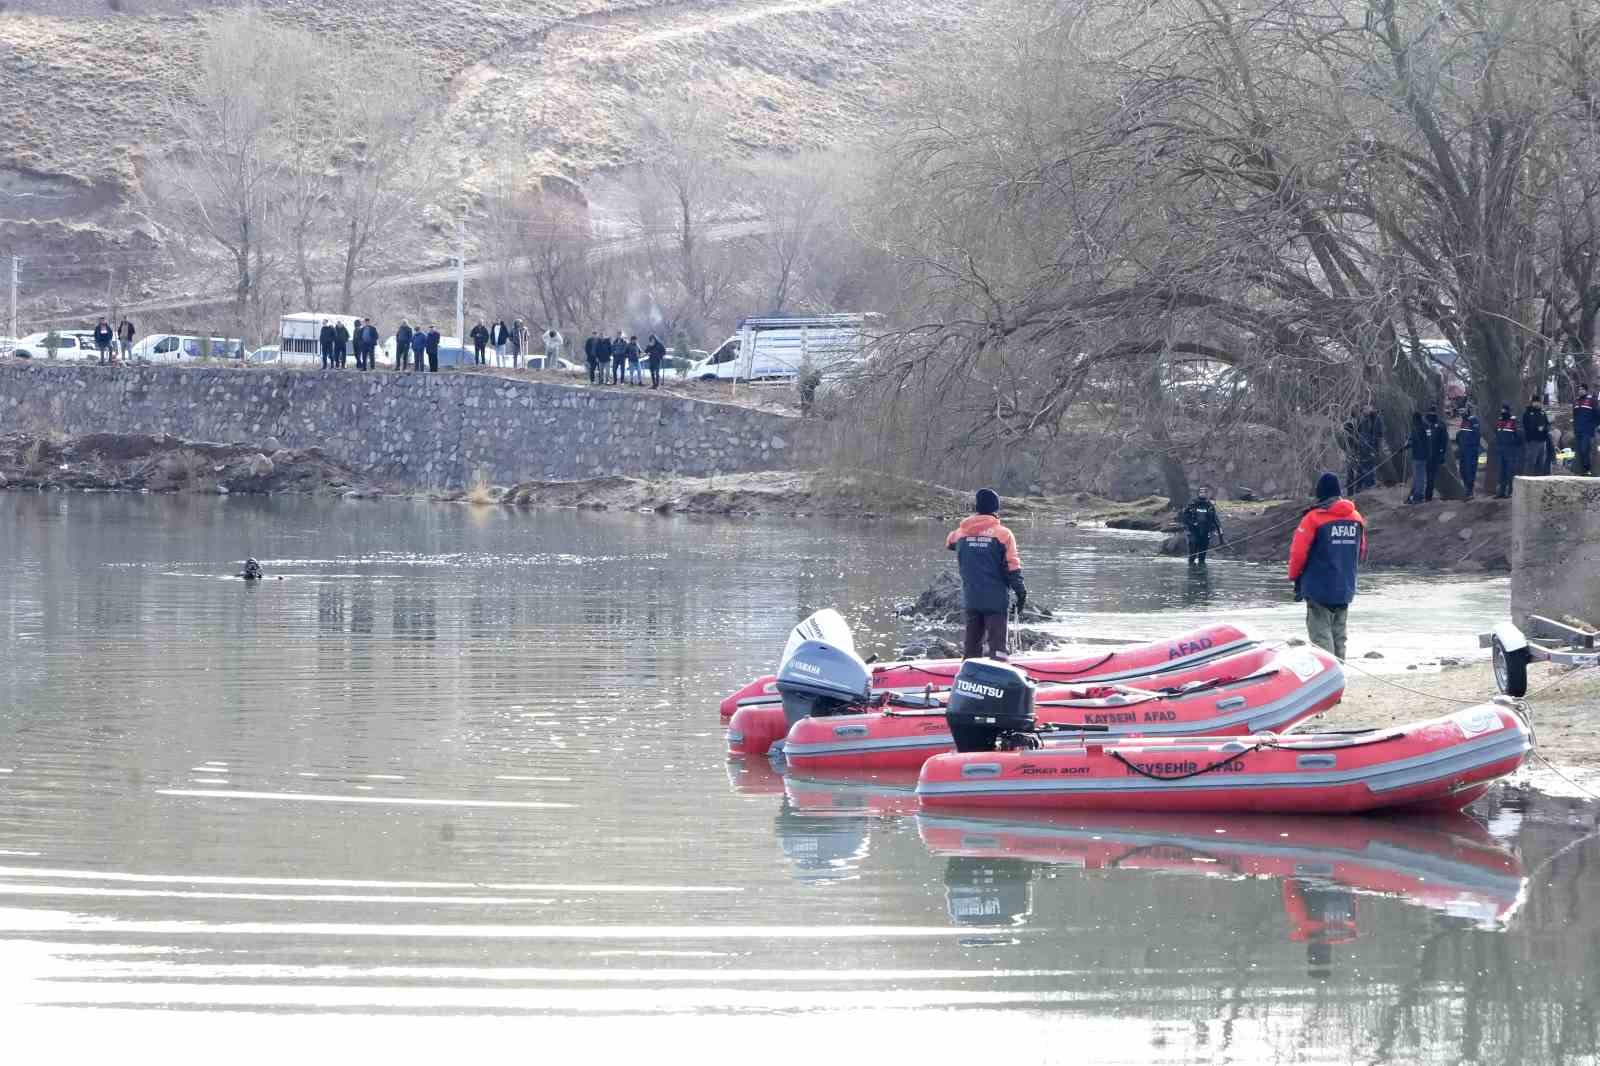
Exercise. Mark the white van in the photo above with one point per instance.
(776, 349)
(177, 347)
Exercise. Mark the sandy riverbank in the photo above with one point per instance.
(1564, 704)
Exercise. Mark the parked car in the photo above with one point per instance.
(76, 344)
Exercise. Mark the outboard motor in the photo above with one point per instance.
(988, 700)
(821, 673)
(988, 892)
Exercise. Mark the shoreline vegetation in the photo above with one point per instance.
(1458, 536)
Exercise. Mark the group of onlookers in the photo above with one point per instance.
(507, 340)
(621, 354)
(337, 341)
(103, 336)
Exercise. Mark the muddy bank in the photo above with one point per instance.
(153, 463)
(1465, 536)
(1561, 704)
(834, 494)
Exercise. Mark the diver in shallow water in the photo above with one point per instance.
(252, 570)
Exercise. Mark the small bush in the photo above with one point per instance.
(479, 492)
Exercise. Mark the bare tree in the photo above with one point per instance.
(218, 180)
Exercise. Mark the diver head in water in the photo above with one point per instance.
(252, 570)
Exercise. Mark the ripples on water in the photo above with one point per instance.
(461, 769)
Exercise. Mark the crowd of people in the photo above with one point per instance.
(621, 356)
(417, 347)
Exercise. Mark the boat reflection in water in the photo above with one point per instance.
(1447, 864)
(824, 826)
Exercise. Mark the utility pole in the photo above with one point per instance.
(16, 279)
(461, 285)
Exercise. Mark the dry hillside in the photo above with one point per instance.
(556, 81)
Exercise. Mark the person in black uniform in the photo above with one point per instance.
(1200, 518)
(1469, 442)
(431, 346)
(1438, 450)
(325, 339)
(480, 341)
(1537, 455)
(402, 344)
(1508, 450)
(589, 357)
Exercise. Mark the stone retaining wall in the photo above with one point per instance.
(412, 430)
(1555, 548)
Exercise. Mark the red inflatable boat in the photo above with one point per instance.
(1446, 863)
(1442, 763)
(1252, 691)
(1138, 660)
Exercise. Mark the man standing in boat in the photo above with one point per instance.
(991, 570)
(1327, 550)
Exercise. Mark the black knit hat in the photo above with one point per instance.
(988, 501)
(1328, 486)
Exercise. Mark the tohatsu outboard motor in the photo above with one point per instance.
(988, 701)
(821, 673)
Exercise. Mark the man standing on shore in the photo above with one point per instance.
(433, 349)
(1507, 451)
(1369, 447)
(358, 342)
(1585, 419)
(1438, 451)
(419, 347)
(1469, 442)
(402, 345)
(125, 339)
(102, 341)
(991, 570)
(1536, 439)
(619, 358)
(341, 344)
(590, 345)
(1326, 552)
(325, 338)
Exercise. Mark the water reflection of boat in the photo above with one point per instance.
(825, 824)
(1448, 864)
(755, 777)
(886, 792)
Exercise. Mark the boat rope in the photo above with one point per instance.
(1407, 688)
(1051, 675)
(1219, 764)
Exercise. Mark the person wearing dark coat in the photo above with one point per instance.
(1417, 447)
(991, 570)
(1201, 520)
(1585, 420)
(402, 345)
(500, 337)
(1438, 451)
(1327, 551)
(1536, 445)
(125, 334)
(433, 349)
(102, 340)
(588, 354)
(326, 339)
(619, 358)
(1369, 447)
(419, 347)
(369, 340)
(655, 352)
(1469, 442)
(602, 357)
(1508, 450)
(480, 341)
(358, 341)
(341, 344)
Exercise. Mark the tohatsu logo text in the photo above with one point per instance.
(972, 688)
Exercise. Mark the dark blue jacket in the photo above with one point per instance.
(1507, 436)
(419, 341)
(1468, 442)
(1326, 552)
(1418, 443)
(1585, 416)
(991, 569)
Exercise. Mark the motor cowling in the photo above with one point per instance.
(988, 700)
(819, 678)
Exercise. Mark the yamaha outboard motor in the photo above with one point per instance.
(988, 892)
(821, 672)
(988, 700)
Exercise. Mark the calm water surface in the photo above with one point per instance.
(456, 784)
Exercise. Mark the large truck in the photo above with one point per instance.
(778, 348)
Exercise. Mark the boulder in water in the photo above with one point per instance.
(931, 646)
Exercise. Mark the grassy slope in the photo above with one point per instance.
(559, 76)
